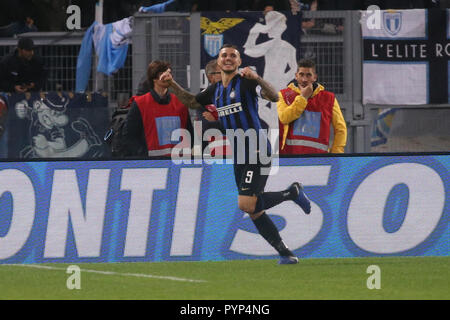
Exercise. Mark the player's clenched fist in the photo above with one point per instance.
(249, 73)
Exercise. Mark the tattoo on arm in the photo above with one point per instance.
(268, 91)
(187, 98)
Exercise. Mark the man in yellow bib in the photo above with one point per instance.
(306, 112)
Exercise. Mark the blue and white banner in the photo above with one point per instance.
(406, 56)
(56, 125)
(153, 210)
(268, 43)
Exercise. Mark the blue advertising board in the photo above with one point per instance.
(155, 210)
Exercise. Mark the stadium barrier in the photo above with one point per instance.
(154, 210)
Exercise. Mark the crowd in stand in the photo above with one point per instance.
(20, 16)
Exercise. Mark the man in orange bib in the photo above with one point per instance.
(154, 116)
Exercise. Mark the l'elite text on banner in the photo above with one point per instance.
(406, 57)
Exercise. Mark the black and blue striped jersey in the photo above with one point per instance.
(237, 106)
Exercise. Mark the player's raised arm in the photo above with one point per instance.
(268, 91)
(187, 98)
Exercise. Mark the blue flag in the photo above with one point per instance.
(111, 46)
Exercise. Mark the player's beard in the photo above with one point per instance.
(229, 71)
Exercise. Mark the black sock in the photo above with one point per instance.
(269, 231)
(267, 200)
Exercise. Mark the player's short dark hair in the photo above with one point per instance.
(306, 63)
(229, 45)
(154, 70)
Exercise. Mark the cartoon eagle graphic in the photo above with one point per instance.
(211, 27)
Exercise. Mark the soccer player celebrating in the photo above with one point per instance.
(236, 98)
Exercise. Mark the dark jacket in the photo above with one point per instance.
(17, 71)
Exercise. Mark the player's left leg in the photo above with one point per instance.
(267, 229)
(251, 186)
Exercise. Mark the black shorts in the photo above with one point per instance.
(251, 178)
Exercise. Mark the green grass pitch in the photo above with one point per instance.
(316, 279)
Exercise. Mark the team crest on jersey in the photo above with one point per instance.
(212, 34)
(232, 94)
(392, 22)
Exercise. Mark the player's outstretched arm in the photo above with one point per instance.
(187, 98)
(268, 92)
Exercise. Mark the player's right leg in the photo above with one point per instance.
(250, 181)
(299, 197)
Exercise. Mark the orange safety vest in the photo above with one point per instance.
(159, 121)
